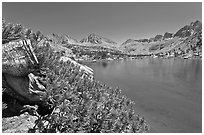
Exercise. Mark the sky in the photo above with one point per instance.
(117, 21)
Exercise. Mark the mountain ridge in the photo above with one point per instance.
(181, 33)
(180, 41)
(186, 39)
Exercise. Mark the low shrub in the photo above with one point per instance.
(79, 103)
(84, 105)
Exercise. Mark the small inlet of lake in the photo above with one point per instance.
(167, 92)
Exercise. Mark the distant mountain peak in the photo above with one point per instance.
(64, 39)
(97, 39)
(167, 35)
(196, 23)
(128, 41)
(93, 34)
(189, 30)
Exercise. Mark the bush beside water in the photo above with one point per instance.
(79, 103)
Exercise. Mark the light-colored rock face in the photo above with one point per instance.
(71, 40)
(18, 58)
(83, 68)
(18, 61)
(18, 124)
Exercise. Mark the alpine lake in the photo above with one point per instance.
(166, 92)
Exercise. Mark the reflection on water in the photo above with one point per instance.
(104, 64)
(167, 92)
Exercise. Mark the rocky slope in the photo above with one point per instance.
(62, 39)
(189, 30)
(96, 39)
(168, 35)
(18, 124)
(186, 40)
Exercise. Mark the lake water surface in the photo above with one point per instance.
(167, 92)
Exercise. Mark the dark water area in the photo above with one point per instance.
(167, 92)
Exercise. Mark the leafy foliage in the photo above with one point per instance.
(79, 103)
(16, 31)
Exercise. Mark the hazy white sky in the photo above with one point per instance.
(117, 21)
